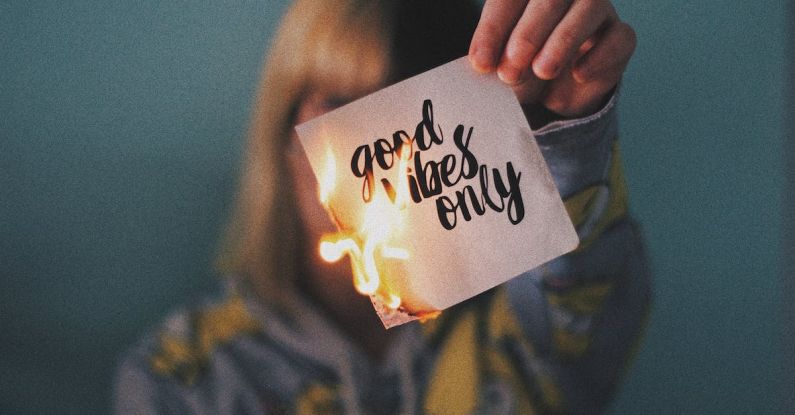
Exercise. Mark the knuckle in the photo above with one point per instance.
(518, 58)
(559, 4)
(568, 36)
(630, 33)
(488, 31)
(591, 4)
(557, 103)
(584, 73)
(627, 37)
(529, 40)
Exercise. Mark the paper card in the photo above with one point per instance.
(468, 205)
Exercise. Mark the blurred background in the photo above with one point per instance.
(121, 130)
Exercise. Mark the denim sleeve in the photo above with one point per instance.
(582, 314)
(578, 151)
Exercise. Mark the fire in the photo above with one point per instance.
(382, 220)
(329, 178)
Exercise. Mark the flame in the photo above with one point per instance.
(395, 253)
(329, 179)
(403, 183)
(382, 220)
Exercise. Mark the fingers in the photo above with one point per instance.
(583, 90)
(571, 99)
(579, 24)
(517, 36)
(566, 54)
(609, 57)
(495, 26)
(532, 30)
(530, 89)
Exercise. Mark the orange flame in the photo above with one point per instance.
(382, 220)
(329, 179)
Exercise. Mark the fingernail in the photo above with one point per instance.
(483, 59)
(545, 68)
(508, 74)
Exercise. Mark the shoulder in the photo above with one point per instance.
(160, 373)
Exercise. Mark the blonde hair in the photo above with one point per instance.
(336, 45)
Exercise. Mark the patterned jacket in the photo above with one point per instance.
(556, 339)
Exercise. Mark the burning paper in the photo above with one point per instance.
(438, 190)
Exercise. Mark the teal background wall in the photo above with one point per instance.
(121, 127)
(788, 241)
(704, 132)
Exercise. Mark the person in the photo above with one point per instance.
(289, 334)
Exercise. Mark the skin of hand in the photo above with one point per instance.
(562, 55)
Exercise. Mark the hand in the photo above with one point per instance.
(564, 55)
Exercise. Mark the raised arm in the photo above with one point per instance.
(566, 330)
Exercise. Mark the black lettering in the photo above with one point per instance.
(364, 168)
(429, 179)
(382, 150)
(444, 207)
(430, 184)
(448, 166)
(469, 164)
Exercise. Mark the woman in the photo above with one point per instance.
(290, 334)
